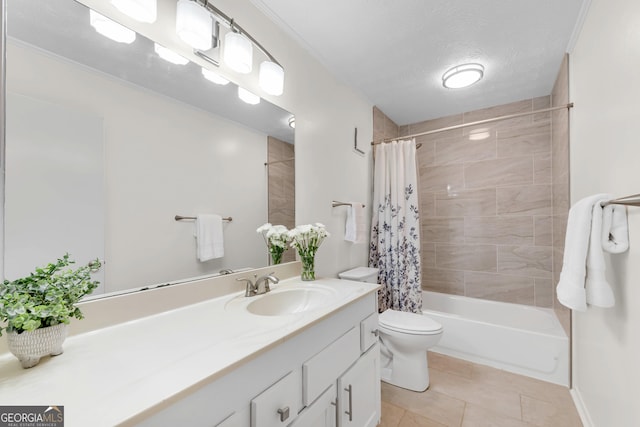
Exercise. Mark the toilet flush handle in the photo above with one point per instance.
(375, 332)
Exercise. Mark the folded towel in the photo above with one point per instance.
(598, 291)
(355, 230)
(209, 237)
(570, 289)
(615, 231)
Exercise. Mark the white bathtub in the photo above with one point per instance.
(517, 338)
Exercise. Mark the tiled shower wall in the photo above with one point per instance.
(282, 185)
(487, 205)
(560, 180)
(486, 197)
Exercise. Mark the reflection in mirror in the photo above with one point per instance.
(107, 142)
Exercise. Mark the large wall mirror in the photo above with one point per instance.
(107, 142)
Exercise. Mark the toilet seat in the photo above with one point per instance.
(408, 323)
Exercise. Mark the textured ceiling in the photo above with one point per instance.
(395, 52)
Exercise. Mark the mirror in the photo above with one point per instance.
(107, 142)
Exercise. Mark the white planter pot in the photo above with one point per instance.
(30, 346)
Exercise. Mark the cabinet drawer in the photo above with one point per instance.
(368, 332)
(323, 368)
(276, 406)
(321, 413)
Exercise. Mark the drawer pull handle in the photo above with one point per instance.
(284, 414)
(375, 332)
(350, 411)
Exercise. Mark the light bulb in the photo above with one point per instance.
(111, 29)
(248, 97)
(238, 52)
(271, 78)
(169, 55)
(214, 77)
(194, 25)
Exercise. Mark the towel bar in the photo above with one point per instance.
(180, 218)
(334, 204)
(632, 200)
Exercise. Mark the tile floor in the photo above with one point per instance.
(465, 394)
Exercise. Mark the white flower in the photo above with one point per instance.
(264, 227)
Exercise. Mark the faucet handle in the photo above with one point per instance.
(250, 289)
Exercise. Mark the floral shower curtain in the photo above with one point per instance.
(395, 229)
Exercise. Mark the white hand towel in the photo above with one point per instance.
(570, 290)
(615, 230)
(355, 230)
(598, 291)
(209, 237)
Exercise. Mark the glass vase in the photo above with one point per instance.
(308, 268)
(276, 258)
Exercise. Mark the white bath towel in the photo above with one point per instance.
(571, 286)
(209, 237)
(615, 230)
(598, 290)
(355, 229)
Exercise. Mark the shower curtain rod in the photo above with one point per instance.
(479, 122)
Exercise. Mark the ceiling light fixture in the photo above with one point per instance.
(169, 55)
(140, 10)
(462, 76)
(214, 77)
(248, 97)
(111, 29)
(194, 25)
(237, 46)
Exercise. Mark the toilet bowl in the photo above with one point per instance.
(404, 338)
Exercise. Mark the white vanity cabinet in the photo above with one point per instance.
(300, 382)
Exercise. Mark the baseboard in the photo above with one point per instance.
(582, 410)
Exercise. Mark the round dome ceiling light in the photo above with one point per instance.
(462, 76)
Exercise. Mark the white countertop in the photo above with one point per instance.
(108, 376)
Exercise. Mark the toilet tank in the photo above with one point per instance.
(361, 274)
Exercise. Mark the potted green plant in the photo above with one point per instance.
(36, 309)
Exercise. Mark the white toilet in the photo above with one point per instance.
(404, 338)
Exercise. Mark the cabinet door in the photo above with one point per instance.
(321, 413)
(359, 392)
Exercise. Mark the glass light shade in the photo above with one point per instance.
(248, 97)
(169, 55)
(462, 76)
(271, 78)
(140, 10)
(214, 77)
(194, 25)
(238, 52)
(111, 29)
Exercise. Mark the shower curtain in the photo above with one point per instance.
(395, 228)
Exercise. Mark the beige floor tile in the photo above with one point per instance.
(496, 399)
(476, 416)
(391, 415)
(430, 404)
(532, 387)
(414, 420)
(545, 414)
(450, 364)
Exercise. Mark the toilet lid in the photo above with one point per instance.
(413, 323)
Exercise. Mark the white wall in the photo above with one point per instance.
(162, 158)
(326, 113)
(605, 148)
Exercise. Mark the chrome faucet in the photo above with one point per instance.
(253, 287)
(268, 278)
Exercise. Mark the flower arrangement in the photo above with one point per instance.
(277, 238)
(307, 239)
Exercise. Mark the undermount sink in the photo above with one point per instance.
(289, 301)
